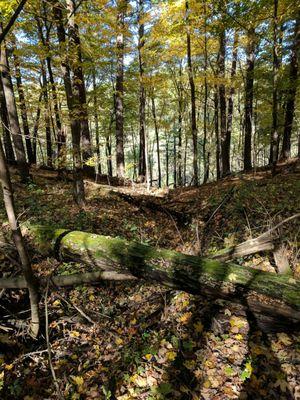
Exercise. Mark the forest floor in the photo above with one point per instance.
(145, 341)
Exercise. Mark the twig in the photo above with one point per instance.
(81, 312)
(56, 384)
(267, 233)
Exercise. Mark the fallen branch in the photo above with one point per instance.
(19, 282)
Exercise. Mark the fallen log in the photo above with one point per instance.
(273, 299)
(265, 293)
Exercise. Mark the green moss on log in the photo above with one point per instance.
(186, 272)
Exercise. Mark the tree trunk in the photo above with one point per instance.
(205, 156)
(291, 92)
(72, 94)
(217, 133)
(13, 115)
(19, 243)
(120, 159)
(97, 133)
(274, 132)
(23, 107)
(225, 154)
(9, 151)
(78, 80)
(193, 96)
(157, 139)
(47, 115)
(227, 141)
(250, 54)
(36, 128)
(142, 94)
(263, 292)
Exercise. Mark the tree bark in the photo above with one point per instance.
(13, 115)
(47, 115)
(263, 292)
(225, 155)
(142, 94)
(97, 133)
(205, 156)
(120, 159)
(274, 132)
(227, 141)
(291, 92)
(19, 243)
(23, 107)
(78, 83)
(157, 138)
(193, 96)
(36, 128)
(72, 94)
(217, 133)
(9, 151)
(250, 54)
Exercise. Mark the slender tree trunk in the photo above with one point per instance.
(174, 162)
(167, 161)
(179, 151)
(120, 159)
(13, 115)
(97, 133)
(291, 92)
(78, 81)
(47, 115)
(61, 138)
(216, 122)
(9, 151)
(19, 243)
(205, 158)
(142, 94)
(250, 54)
(227, 141)
(193, 96)
(36, 128)
(225, 165)
(72, 94)
(109, 156)
(274, 132)
(23, 107)
(157, 139)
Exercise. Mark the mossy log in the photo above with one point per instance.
(265, 293)
(273, 299)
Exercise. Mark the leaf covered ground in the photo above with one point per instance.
(140, 341)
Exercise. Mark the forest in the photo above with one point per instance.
(149, 217)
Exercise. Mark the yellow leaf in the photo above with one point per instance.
(284, 338)
(78, 380)
(141, 382)
(236, 321)
(148, 357)
(9, 366)
(232, 277)
(198, 326)
(239, 337)
(119, 341)
(74, 334)
(171, 355)
(56, 303)
(185, 317)
(207, 384)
